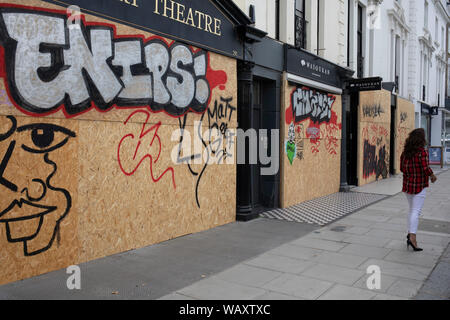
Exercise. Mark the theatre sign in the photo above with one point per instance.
(200, 23)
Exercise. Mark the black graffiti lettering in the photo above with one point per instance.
(307, 103)
(3, 181)
(403, 117)
(372, 111)
(41, 139)
(49, 65)
(217, 140)
(373, 163)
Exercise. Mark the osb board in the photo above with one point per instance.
(310, 151)
(374, 128)
(221, 70)
(105, 182)
(405, 123)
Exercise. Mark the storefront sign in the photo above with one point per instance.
(434, 111)
(365, 84)
(307, 65)
(200, 23)
(425, 109)
(435, 155)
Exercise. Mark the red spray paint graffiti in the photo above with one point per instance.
(131, 138)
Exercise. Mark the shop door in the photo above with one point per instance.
(266, 117)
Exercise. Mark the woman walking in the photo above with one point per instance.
(414, 164)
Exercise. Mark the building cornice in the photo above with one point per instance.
(398, 16)
(438, 3)
(426, 40)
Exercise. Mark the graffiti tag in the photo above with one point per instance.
(372, 111)
(137, 141)
(307, 103)
(52, 67)
(373, 163)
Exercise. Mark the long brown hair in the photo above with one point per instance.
(414, 142)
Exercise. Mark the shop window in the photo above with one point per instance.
(360, 67)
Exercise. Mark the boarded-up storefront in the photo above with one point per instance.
(311, 127)
(97, 124)
(405, 123)
(312, 130)
(374, 134)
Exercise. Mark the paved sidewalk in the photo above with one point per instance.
(270, 259)
(331, 262)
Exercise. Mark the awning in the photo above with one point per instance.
(314, 84)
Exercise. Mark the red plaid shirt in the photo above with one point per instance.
(416, 172)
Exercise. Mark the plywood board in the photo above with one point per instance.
(405, 123)
(374, 134)
(86, 185)
(310, 144)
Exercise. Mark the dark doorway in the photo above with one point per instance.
(352, 140)
(257, 193)
(266, 117)
(393, 131)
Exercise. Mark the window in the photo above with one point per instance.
(425, 78)
(397, 64)
(425, 23)
(277, 19)
(436, 30)
(300, 24)
(360, 67)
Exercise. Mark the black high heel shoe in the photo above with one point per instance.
(409, 243)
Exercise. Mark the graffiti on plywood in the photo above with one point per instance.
(216, 140)
(51, 66)
(35, 204)
(313, 110)
(375, 151)
(372, 111)
(140, 152)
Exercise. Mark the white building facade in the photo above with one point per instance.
(325, 24)
(405, 43)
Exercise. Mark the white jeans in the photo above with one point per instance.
(416, 202)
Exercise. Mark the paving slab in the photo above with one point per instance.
(334, 274)
(385, 283)
(411, 257)
(299, 286)
(271, 295)
(296, 252)
(320, 244)
(248, 275)
(342, 292)
(429, 249)
(387, 297)
(339, 259)
(373, 241)
(406, 288)
(214, 288)
(365, 251)
(398, 269)
(279, 263)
